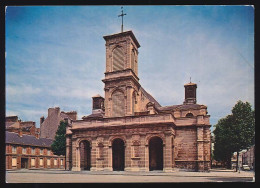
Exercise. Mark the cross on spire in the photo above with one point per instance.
(122, 15)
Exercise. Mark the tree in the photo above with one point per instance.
(243, 127)
(234, 133)
(59, 144)
(222, 148)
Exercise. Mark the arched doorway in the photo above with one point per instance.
(118, 154)
(155, 154)
(85, 155)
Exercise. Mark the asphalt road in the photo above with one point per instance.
(52, 176)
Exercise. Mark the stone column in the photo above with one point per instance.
(93, 155)
(107, 154)
(167, 167)
(143, 152)
(128, 100)
(76, 162)
(146, 158)
(107, 103)
(128, 153)
(68, 153)
(109, 157)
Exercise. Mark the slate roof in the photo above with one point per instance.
(182, 107)
(14, 138)
(150, 97)
(97, 115)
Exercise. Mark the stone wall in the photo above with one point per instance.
(136, 141)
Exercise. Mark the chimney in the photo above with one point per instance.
(72, 115)
(53, 110)
(11, 119)
(98, 104)
(42, 119)
(20, 132)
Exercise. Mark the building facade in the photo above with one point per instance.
(50, 124)
(129, 130)
(248, 157)
(29, 152)
(13, 124)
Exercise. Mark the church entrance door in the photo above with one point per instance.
(155, 154)
(118, 155)
(85, 155)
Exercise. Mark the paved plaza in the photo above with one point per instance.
(62, 176)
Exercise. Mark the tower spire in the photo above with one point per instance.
(122, 15)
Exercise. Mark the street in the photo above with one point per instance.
(62, 176)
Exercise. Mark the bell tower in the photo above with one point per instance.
(121, 75)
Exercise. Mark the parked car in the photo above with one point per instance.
(245, 167)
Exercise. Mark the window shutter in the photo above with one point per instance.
(118, 59)
(118, 104)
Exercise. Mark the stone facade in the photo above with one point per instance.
(129, 130)
(49, 126)
(248, 157)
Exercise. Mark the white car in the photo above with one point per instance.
(245, 167)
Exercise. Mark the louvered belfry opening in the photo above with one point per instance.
(118, 58)
(118, 104)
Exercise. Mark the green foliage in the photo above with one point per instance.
(235, 132)
(59, 144)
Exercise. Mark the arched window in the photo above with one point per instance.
(118, 59)
(118, 104)
(189, 115)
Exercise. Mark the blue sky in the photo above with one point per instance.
(55, 55)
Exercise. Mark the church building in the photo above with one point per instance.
(129, 130)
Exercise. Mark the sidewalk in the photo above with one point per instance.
(176, 173)
(62, 176)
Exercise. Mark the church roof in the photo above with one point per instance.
(150, 97)
(96, 115)
(181, 107)
(14, 138)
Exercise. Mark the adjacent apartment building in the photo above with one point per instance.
(30, 152)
